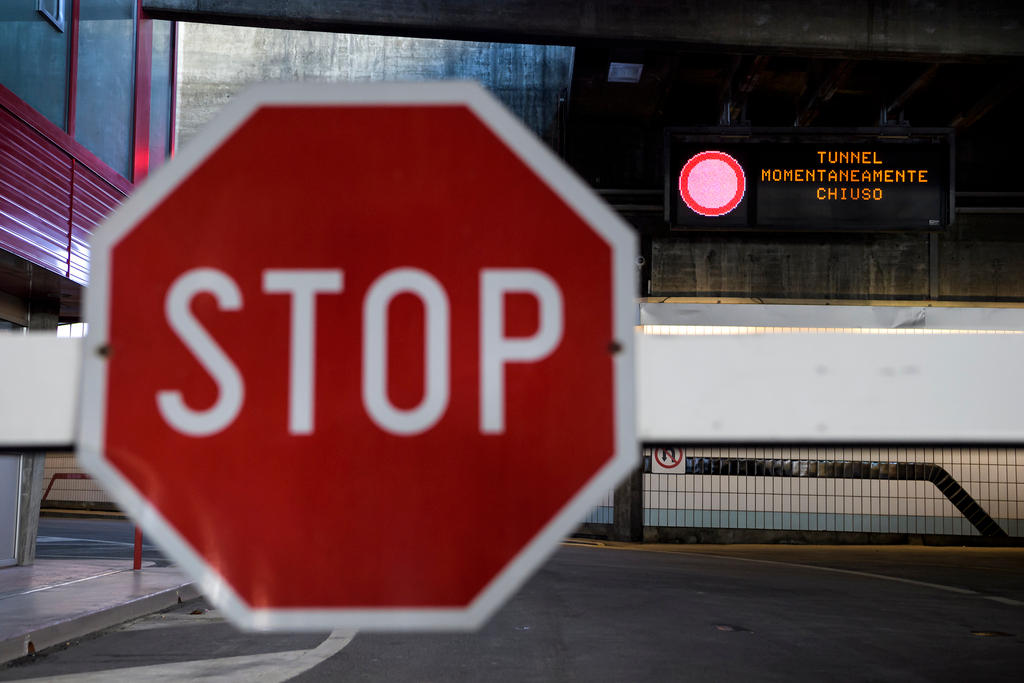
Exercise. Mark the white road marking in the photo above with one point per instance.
(62, 539)
(1005, 601)
(853, 572)
(272, 667)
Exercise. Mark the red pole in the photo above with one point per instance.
(137, 564)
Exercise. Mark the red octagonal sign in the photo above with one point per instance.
(360, 356)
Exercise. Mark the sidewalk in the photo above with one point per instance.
(54, 601)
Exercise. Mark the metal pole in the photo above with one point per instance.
(137, 563)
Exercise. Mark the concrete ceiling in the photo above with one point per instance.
(943, 63)
(898, 28)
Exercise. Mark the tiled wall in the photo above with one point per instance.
(993, 477)
(603, 513)
(77, 492)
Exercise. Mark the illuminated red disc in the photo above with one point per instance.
(712, 183)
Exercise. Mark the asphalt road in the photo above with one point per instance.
(599, 614)
(92, 539)
(605, 613)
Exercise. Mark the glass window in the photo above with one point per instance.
(71, 330)
(160, 100)
(106, 81)
(34, 59)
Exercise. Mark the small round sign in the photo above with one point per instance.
(668, 458)
(712, 183)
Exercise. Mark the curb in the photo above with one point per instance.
(55, 513)
(63, 630)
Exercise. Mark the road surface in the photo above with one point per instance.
(598, 612)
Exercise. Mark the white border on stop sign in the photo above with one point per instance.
(562, 180)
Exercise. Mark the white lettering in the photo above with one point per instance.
(303, 284)
(437, 341)
(230, 388)
(496, 350)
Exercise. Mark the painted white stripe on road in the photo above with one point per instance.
(1005, 601)
(271, 667)
(853, 572)
(62, 539)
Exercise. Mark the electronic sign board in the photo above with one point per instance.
(809, 179)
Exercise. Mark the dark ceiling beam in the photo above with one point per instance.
(725, 90)
(814, 97)
(752, 74)
(992, 98)
(664, 70)
(735, 92)
(938, 30)
(728, 77)
(919, 84)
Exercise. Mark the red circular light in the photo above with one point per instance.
(712, 183)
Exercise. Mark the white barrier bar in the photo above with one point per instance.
(39, 385)
(788, 388)
(831, 388)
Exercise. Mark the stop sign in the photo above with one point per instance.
(360, 356)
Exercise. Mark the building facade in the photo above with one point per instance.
(86, 112)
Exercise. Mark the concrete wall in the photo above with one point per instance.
(218, 61)
(801, 266)
(981, 258)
